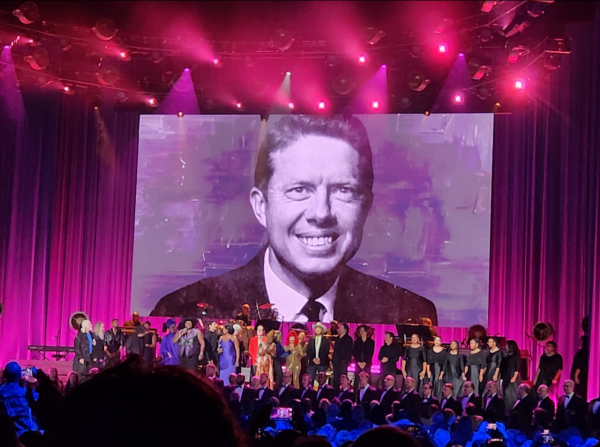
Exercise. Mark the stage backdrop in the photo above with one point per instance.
(428, 230)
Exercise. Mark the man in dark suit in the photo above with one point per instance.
(314, 228)
(545, 402)
(470, 397)
(230, 388)
(449, 401)
(345, 391)
(287, 391)
(264, 393)
(389, 354)
(411, 401)
(365, 393)
(324, 391)
(244, 392)
(494, 406)
(593, 418)
(342, 354)
(570, 402)
(318, 351)
(427, 401)
(211, 376)
(307, 391)
(522, 411)
(389, 394)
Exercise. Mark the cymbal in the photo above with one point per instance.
(266, 306)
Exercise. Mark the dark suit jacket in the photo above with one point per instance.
(266, 395)
(411, 402)
(248, 393)
(288, 394)
(342, 351)
(453, 404)
(370, 395)
(427, 402)
(494, 412)
(309, 394)
(360, 297)
(548, 405)
(475, 399)
(577, 405)
(323, 353)
(388, 399)
(326, 393)
(216, 383)
(593, 420)
(348, 394)
(521, 413)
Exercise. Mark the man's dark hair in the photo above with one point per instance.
(391, 334)
(345, 326)
(190, 409)
(290, 129)
(551, 343)
(384, 437)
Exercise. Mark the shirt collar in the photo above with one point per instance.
(290, 302)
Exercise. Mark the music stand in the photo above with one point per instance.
(406, 330)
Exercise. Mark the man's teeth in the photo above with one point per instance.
(316, 241)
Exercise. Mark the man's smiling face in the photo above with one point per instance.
(315, 205)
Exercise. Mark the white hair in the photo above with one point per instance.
(99, 330)
(236, 328)
(85, 323)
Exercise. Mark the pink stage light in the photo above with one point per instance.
(458, 98)
(66, 89)
(217, 62)
(180, 114)
(152, 102)
(239, 106)
(362, 59)
(519, 85)
(442, 48)
(291, 106)
(376, 105)
(124, 55)
(322, 105)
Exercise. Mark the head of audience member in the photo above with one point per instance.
(343, 329)
(550, 348)
(324, 405)
(542, 391)
(414, 339)
(474, 344)
(93, 371)
(389, 381)
(273, 401)
(426, 388)
(211, 370)
(12, 372)
(409, 384)
(232, 379)
(568, 387)
(333, 411)
(344, 382)
(385, 437)
(240, 380)
(468, 388)
(491, 388)
(287, 378)
(447, 390)
(309, 441)
(389, 338)
(471, 409)
(73, 379)
(541, 418)
(358, 414)
(264, 379)
(363, 379)
(346, 409)
(201, 413)
(306, 381)
(523, 390)
(322, 378)
(437, 341)
(377, 415)
(255, 382)
(212, 327)
(449, 416)
(53, 374)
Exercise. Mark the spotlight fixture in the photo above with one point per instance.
(239, 106)
(38, 60)
(68, 90)
(477, 70)
(362, 59)
(27, 13)
(375, 105)
(417, 81)
(517, 52)
(124, 56)
(152, 101)
(291, 106)
(288, 73)
(373, 35)
(105, 29)
(282, 40)
(518, 84)
(442, 48)
(180, 114)
(485, 35)
(427, 113)
(342, 84)
(322, 105)
(107, 75)
(217, 62)
(458, 99)
(96, 102)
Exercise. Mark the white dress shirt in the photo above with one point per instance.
(318, 339)
(489, 399)
(289, 302)
(568, 399)
(282, 389)
(261, 391)
(465, 401)
(363, 390)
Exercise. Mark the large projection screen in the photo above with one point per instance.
(426, 229)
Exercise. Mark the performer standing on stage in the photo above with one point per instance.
(475, 366)
(318, 351)
(244, 315)
(342, 354)
(191, 345)
(84, 343)
(511, 378)
(229, 348)
(389, 354)
(211, 338)
(453, 371)
(255, 341)
(550, 369)
(169, 351)
(114, 340)
(493, 362)
(99, 347)
(436, 359)
(364, 348)
(292, 345)
(149, 352)
(415, 361)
